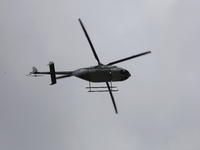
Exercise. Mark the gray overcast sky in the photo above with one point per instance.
(158, 106)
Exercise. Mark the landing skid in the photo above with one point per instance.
(113, 88)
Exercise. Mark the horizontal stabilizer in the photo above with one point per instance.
(52, 72)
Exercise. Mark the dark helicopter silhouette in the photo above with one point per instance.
(99, 73)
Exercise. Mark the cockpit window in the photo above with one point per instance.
(122, 71)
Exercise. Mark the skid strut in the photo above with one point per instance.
(113, 88)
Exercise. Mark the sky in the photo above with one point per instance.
(158, 105)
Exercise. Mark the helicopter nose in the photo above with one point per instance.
(125, 74)
(128, 74)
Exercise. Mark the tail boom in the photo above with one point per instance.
(52, 73)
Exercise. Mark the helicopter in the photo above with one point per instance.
(99, 73)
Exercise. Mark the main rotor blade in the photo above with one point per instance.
(134, 56)
(88, 38)
(112, 97)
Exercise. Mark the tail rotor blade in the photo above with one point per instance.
(113, 100)
(88, 38)
(131, 57)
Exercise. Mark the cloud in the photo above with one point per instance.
(158, 105)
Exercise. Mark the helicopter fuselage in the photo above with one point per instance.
(103, 73)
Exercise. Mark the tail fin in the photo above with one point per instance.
(52, 72)
(34, 70)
